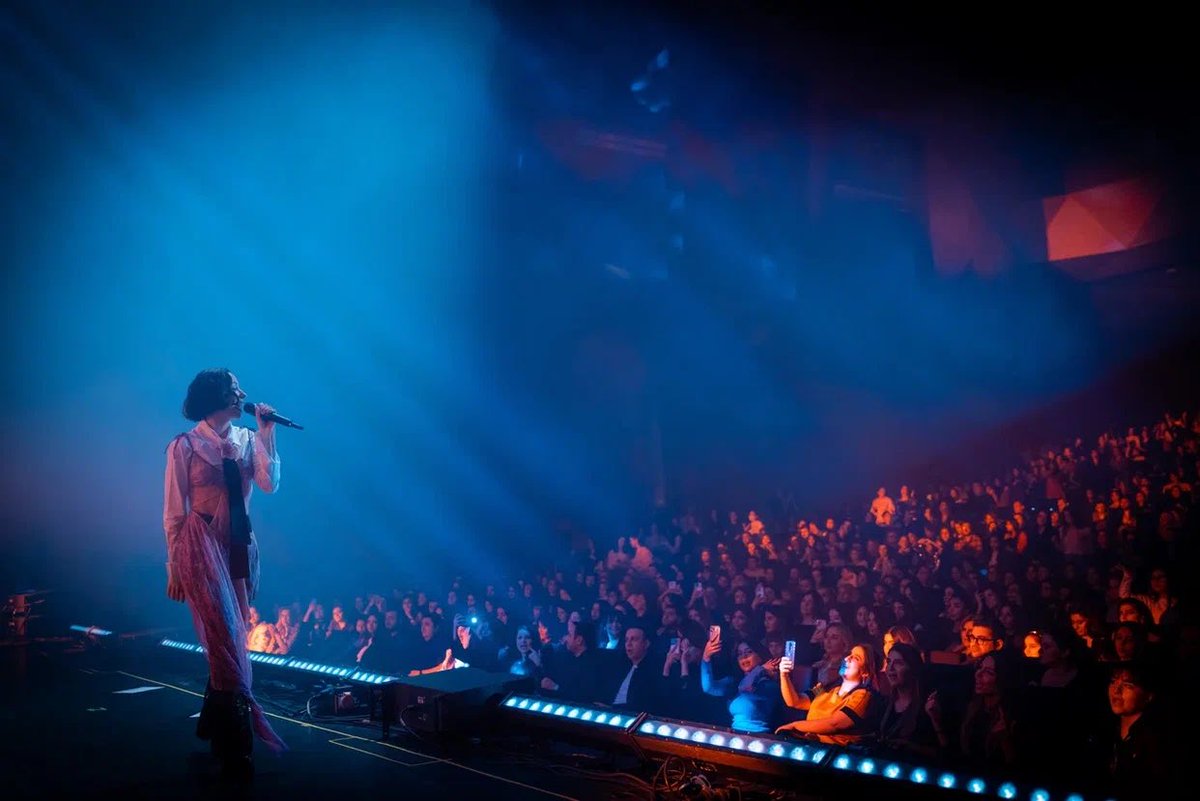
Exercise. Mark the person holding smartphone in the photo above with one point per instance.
(753, 696)
(842, 714)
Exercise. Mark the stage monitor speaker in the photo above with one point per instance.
(447, 702)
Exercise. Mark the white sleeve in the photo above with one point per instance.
(175, 490)
(266, 461)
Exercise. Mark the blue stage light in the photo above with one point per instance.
(918, 776)
(976, 786)
(947, 780)
(1007, 790)
(1039, 795)
(577, 714)
(892, 771)
(866, 766)
(842, 762)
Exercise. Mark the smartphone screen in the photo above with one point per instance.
(674, 643)
(789, 649)
(699, 586)
(714, 633)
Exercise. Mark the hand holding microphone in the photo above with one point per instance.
(267, 417)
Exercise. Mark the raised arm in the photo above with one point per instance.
(711, 686)
(791, 696)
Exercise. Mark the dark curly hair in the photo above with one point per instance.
(208, 392)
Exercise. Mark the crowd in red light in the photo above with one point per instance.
(1034, 624)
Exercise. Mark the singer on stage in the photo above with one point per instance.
(212, 555)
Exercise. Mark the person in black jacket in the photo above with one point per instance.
(1141, 759)
(575, 673)
(636, 685)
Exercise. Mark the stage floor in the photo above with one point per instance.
(119, 722)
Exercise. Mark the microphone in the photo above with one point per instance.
(274, 418)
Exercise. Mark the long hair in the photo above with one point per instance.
(871, 665)
(916, 665)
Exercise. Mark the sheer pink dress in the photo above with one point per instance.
(196, 520)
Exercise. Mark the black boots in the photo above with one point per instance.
(225, 720)
(236, 750)
(204, 726)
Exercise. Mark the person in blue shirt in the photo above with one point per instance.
(754, 696)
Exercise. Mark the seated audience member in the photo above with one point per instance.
(260, 635)
(1087, 627)
(372, 630)
(1160, 600)
(470, 647)
(984, 638)
(753, 693)
(1143, 759)
(826, 672)
(312, 629)
(384, 653)
(285, 632)
(339, 635)
(575, 674)
(905, 726)
(427, 649)
(898, 634)
(523, 657)
(1059, 656)
(846, 712)
(612, 636)
(1032, 645)
(1127, 643)
(635, 685)
(985, 737)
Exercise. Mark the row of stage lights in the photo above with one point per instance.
(701, 742)
(275, 660)
(655, 734)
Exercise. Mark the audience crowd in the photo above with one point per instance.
(1035, 625)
